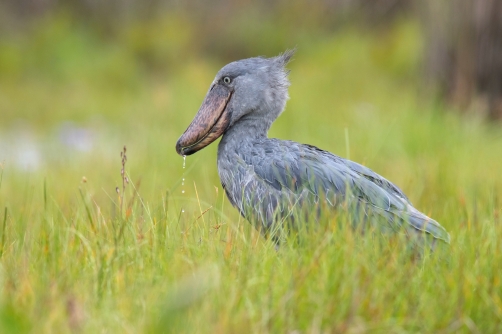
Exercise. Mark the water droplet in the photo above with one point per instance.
(183, 180)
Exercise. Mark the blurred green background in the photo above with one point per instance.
(408, 88)
(80, 79)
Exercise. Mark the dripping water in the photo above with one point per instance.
(183, 180)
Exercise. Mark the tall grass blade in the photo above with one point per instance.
(4, 225)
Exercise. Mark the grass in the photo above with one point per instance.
(76, 256)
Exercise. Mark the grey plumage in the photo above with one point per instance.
(270, 180)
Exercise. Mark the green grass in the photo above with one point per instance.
(72, 261)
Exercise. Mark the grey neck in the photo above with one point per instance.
(243, 133)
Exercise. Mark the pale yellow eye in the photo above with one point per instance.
(227, 80)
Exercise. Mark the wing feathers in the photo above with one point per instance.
(301, 172)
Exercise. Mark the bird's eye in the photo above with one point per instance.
(227, 80)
